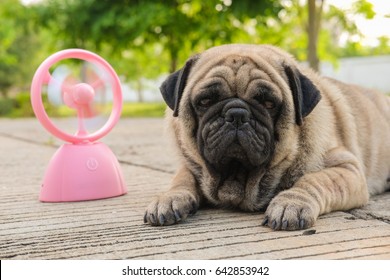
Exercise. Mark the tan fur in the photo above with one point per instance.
(342, 149)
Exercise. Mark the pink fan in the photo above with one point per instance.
(81, 169)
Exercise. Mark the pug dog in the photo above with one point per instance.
(256, 131)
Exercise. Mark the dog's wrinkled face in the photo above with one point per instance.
(236, 106)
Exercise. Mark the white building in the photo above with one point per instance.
(371, 72)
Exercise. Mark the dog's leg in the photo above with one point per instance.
(181, 200)
(341, 185)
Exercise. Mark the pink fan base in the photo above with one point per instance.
(85, 171)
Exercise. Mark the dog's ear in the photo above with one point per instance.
(305, 94)
(172, 88)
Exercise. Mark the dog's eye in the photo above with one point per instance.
(264, 98)
(205, 102)
(269, 104)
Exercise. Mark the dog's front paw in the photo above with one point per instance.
(170, 208)
(290, 211)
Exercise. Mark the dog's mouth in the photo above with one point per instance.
(234, 156)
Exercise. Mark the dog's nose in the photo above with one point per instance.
(237, 116)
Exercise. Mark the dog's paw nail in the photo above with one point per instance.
(194, 208)
(284, 225)
(162, 219)
(146, 218)
(152, 219)
(302, 224)
(265, 221)
(177, 215)
(274, 225)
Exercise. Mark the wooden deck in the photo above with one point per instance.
(114, 229)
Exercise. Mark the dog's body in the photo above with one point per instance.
(256, 131)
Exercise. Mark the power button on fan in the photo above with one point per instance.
(92, 164)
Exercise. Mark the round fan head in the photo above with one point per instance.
(82, 84)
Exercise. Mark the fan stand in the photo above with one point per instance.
(83, 171)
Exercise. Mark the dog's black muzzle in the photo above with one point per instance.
(232, 132)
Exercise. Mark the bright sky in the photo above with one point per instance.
(374, 28)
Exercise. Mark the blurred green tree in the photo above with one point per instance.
(182, 27)
(18, 45)
(179, 26)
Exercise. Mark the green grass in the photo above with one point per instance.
(129, 110)
(140, 110)
(20, 107)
